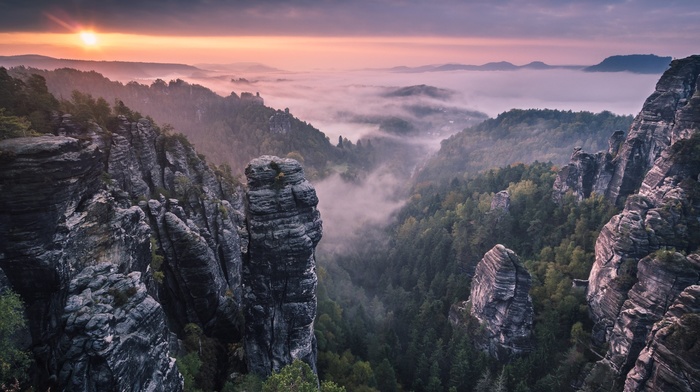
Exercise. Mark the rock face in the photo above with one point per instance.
(110, 323)
(279, 272)
(280, 122)
(668, 115)
(670, 360)
(588, 173)
(67, 205)
(648, 254)
(500, 302)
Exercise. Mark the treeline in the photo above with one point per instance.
(392, 320)
(522, 136)
(231, 130)
(26, 106)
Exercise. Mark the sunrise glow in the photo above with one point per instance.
(88, 38)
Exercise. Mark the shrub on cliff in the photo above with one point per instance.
(14, 362)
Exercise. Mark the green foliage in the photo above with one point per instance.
(25, 106)
(121, 297)
(156, 261)
(248, 383)
(85, 108)
(189, 366)
(298, 377)
(425, 267)
(13, 126)
(295, 377)
(14, 363)
(522, 136)
(207, 351)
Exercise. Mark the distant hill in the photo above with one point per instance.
(238, 67)
(521, 136)
(637, 63)
(420, 90)
(493, 66)
(112, 69)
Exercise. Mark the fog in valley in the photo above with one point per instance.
(352, 104)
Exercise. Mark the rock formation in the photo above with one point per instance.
(668, 115)
(280, 122)
(116, 239)
(588, 173)
(111, 323)
(647, 255)
(501, 201)
(279, 272)
(500, 302)
(671, 358)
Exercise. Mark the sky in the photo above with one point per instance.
(349, 34)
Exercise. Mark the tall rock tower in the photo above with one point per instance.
(279, 269)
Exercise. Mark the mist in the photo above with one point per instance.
(321, 98)
(353, 104)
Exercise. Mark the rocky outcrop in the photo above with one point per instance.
(662, 216)
(670, 361)
(587, 173)
(280, 122)
(661, 278)
(111, 323)
(501, 201)
(197, 221)
(67, 204)
(279, 272)
(647, 255)
(668, 115)
(671, 113)
(500, 302)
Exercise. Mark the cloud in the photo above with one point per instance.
(506, 18)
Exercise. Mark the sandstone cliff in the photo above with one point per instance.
(501, 304)
(647, 255)
(279, 273)
(671, 358)
(668, 115)
(116, 240)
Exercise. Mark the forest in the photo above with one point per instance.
(392, 320)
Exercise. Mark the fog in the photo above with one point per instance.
(318, 97)
(352, 104)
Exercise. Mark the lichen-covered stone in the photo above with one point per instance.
(61, 212)
(660, 279)
(501, 303)
(279, 272)
(646, 255)
(115, 336)
(670, 360)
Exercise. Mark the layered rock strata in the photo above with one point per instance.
(279, 272)
(670, 360)
(663, 216)
(647, 255)
(588, 173)
(111, 323)
(67, 204)
(501, 303)
(668, 115)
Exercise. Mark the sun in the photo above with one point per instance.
(89, 38)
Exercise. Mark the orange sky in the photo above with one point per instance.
(300, 53)
(310, 34)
